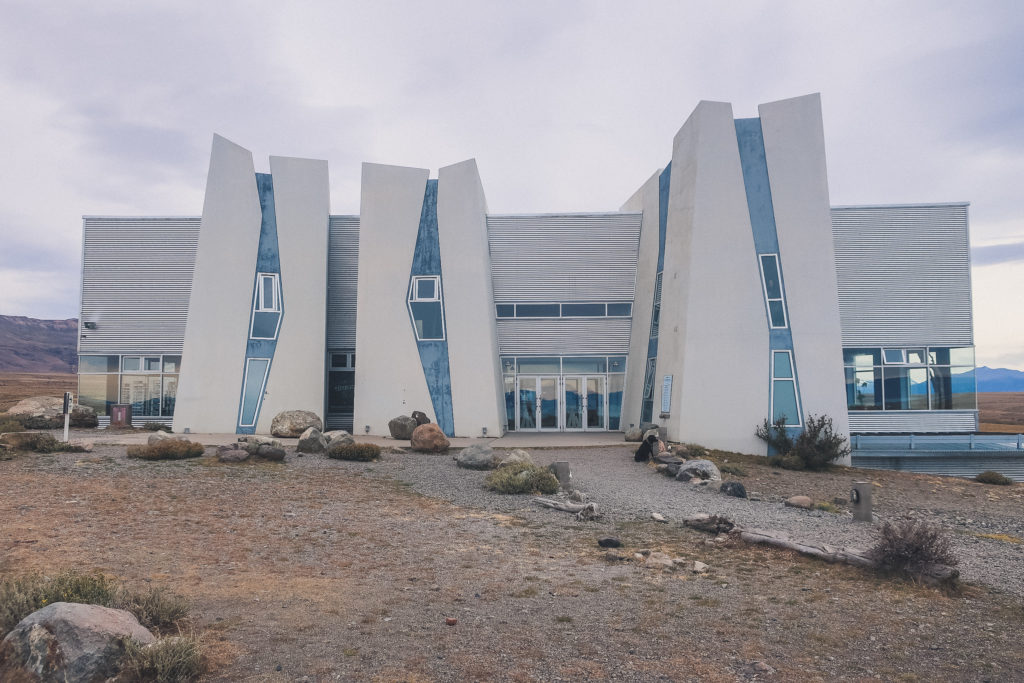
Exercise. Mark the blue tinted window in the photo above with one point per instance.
(591, 310)
(784, 401)
(620, 309)
(264, 325)
(772, 282)
(583, 365)
(426, 316)
(506, 310)
(862, 357)
(426, 288)
(537, 310)
(539, 365)
(255, 374)
(778, 313)
(782, 366)
(893, 355)
(617, 364)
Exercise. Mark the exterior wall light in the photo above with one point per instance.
(484, 430)
(89, 325)
(367, 429)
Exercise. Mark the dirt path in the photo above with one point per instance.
(310, 571)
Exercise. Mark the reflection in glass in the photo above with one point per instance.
(255, 376)
(862, 357)
(510, 402)
(595, 402)
(527, 402)
(782, 366)
(172, 363)
(616, 384)
(772, 283)
(426, 316)
(583, 365)
(778, 313)
(573, 403)
(99, 392)
(534, 366)
(143, 392)
(548, 403)
(784, 401)
(169, 395)
(964, 389)
(98, 363)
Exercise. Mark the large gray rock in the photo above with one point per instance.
(516, 455)
(157, 437)
(647, 426)
(338, 434)
(634, 434)
(702, 470)
(38, 406)
(311, 441)
(232, 454)
(402, 427)
(476, 457)
(268, 452)
(291, 423)
(69, 642)
(252, 443)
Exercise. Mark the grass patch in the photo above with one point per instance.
(169, 449)
(1005, 538)
(521, 477)
(156, 427)
(169, 660)
(994, 478)
(828, 507)
(527, 592)
(361, 452)
(562, 619)
(10, 424)
(735, 470)
(21, 596)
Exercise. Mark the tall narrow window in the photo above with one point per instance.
(656, 313)
(772, 282)
(268, 293)
(425, 307)
(266, 307)
(784, 399)
(252, 390)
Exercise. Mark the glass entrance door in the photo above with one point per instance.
(573, 400)
(595, 403)
(584, 402)
(538, 403)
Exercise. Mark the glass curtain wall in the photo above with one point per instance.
(604, 392)
(148, 382)
(922, 378)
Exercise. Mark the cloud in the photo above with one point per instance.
(997, 253)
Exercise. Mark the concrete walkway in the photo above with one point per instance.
(525, 440)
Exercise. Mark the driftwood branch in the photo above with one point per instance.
(583, 511)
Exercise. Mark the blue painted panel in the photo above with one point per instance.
(426, 260)
(663, 187)
(268, 260)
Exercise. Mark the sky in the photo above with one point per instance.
(109, 108)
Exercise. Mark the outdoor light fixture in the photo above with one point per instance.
(89, 325)
(484, 430)
(367, 429)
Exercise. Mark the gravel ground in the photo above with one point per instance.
(627, 491)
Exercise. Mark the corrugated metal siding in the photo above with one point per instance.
(136, 282)
(342, 281)
(570, 257)
(912, 421)
(555, 336)
(904, 275)
(564, 258)
(952, 463)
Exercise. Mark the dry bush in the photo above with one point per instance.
(170, 449)
(521, 477)
(39, 442)
(814, 448)
(986, 477)
(909, 546)
(156, 427)
(20, 596)
(362, 452)
(10, 423)
(735, 470)
(176, 659)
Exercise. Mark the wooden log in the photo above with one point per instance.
(583, 511)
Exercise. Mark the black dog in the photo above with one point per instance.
(647, 449)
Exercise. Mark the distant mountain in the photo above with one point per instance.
(30, 345)
(999, 379)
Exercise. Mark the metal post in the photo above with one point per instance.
(67, 413)
(972, 441)
(911, 442)
(860, 501)
(1020, 441)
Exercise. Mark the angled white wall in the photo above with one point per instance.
(478, 399)
(794, 143)
(713, 334)
(389, 375)
(302, 207)
(213, 354)
(645, 200)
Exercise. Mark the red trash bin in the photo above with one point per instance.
(121, 415)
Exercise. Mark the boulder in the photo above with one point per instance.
(268, 452)
(83, 416)
(659, 560)
(699, 567)
(476, 457)
(232, 454)
(609, 542)
(734, 489)
(252, 443)
(38, 406)
(402, 427)
(703, 470)
(157, 437)
(799, 502)
(69, 642)
(516, 455)
(428, 438)
(292, 423)
(713, 524)
(634, 434)
(338, 434)
(420, 417)
(648, 426)
(311, 441)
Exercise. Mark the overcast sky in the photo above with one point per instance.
(110, 107)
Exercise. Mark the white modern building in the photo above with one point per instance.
(726, 290)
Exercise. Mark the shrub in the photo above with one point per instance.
(735, 470)
(993, 477)
(21, 596)
(362, 452)
(909, 546)
(695, 451)
(521, 477)
(169, 660)
(156, 427)
(39, 442)
(814, 448)
(10, 423)
(169, 449)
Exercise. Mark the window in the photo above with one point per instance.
(937, 378)
(537, 311)
(252, 390)
(506, 310)
(771, 279)
(656, 312)
(583, 310)
(620, 310)
(894, 356)
(425, 307)
(268, 293)
(784, 398)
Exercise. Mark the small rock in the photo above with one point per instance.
(268, 452)
(577, 496)
(658, 560)
(337, 434)
(609, 542)
(451, 621)
(476, 457)
(638, 557)
(658, 517)
(705, 470)
(762, 668)
(613, 556)
(420, 417)
(803, 502)
(312, 441)
(699, 567)
(231, 454)
(734, 489)
(715, 524)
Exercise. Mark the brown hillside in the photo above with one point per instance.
(30, 345)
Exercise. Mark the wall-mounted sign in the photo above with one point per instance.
(666, 394)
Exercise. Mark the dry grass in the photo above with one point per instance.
(15, 386)
(1001, 411)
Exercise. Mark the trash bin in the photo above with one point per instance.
(121, 415)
